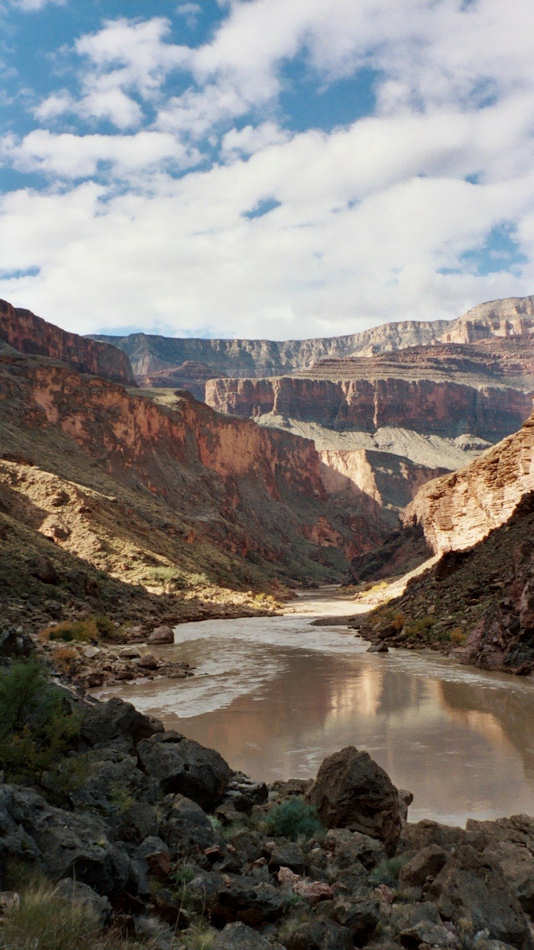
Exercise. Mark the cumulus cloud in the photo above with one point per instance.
(381, 218)
(80, 156)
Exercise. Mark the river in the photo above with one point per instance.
(275, 695)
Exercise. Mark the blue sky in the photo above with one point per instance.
(264, 168)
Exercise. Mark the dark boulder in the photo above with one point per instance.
(352, 791)
(114, 719)
(469, 888)
(185, 767)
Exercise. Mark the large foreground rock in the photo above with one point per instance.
(352, 791)
(183, 766)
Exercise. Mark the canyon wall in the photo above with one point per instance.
(158, 359)
(511, 317)
(30, 334)
(443, 408)
(458, 510)
(149, 355)
(390, 480)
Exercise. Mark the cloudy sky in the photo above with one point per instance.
(264, 168)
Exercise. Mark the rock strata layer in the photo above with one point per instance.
(25, 332)
(444, 408)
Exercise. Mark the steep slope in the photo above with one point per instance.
(25, 332)
(478, 599)
(458, 510)
(477, 603)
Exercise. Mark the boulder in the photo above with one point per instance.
(361, 917)
(352, 791)
(229, 897)
(243, 793)
(184, 826)
(78, 893)
(427, 863)
(104, 722)
(185, 767)
(161, 634)
(470, 889)
(319, 935)
(73, 845)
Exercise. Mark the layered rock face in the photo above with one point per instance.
(157, 359)
(444, 408)
(151, 354)
(456, 511)
(27, 333)
(511, 317)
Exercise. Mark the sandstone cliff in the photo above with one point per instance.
(149, 355)
(157, 358)
(445, 408)
(458, 510)
(513, 316)
(476, 603)
(25, 332)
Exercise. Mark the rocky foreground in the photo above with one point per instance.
(156, 838)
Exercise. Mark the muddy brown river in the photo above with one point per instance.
(275, 695)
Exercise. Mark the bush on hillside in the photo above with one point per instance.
(36, 725)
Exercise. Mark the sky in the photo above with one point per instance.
(264, 168)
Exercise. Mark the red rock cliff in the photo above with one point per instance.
(30, 334)
(444, 408)
(459, 510)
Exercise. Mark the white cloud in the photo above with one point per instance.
(190, 12)
(30, 6)
(372, 218)
(79, 156)
(252, 139)
(358, 237)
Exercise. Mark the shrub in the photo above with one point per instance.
(293, 818)
(387, 872)
(87, 630)
(46, 921)
(36, 725)
(457, 635)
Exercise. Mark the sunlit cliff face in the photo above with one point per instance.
(459, 510)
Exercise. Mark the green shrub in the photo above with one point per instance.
(36, 725)
(387, 872)
(293, 818)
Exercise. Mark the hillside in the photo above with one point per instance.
(478, 599)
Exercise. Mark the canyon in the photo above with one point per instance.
(127, 507)
(178, 507)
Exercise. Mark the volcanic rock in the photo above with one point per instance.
(352, 791)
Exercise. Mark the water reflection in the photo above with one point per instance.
(275, 695)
